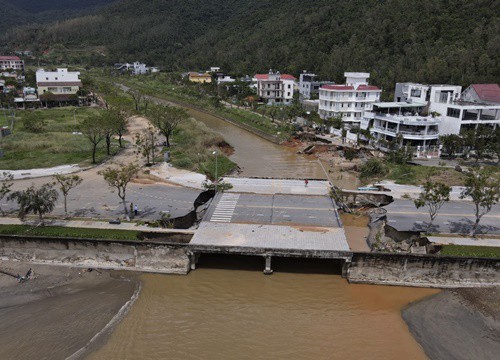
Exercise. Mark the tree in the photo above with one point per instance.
(452, 144)
(137, 97)
(273, 112)
(484, 190)
(121, 117)
(66, 183)
(6, 184)
(166, 118)
(92, 129)
(32, 122)
(146, 143)
(39, 201)
(433, 195)
(118, 177)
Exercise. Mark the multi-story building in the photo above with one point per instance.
(62, 84)
(200, 77)
(389, 120)
(348, 101)
(11, 62)
(436, 97)
(309, 85)
(275, 88)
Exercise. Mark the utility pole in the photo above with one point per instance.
(216, 177)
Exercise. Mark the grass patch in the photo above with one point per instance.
(416, 175)
(57, 145)
(193, 146)
(471, 251)
(61, 231)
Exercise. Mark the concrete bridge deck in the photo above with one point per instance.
(271, 225)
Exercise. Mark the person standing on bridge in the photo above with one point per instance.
(136, 209)
(306, 182)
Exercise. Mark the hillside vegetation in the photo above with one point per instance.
(434, 41)
(18, 12)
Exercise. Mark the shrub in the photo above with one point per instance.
(373, 168)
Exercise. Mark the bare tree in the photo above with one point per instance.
(433, 195)
(66, 183)
(5, 186)
(39, 201)
(484, 189)
(118, 177)
(166, 118)
(93, 130)
(146, 143)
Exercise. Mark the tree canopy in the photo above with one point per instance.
(429, 41)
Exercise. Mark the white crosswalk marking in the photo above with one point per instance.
(225, 208)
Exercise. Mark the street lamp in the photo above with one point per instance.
(216, 178)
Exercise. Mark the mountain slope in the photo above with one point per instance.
(435, 41)
(20, 12)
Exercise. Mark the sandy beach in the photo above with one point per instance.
(62, 312)
(457, 324)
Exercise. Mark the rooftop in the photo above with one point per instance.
(399, 104)
(282, 76)
(9, 58)
(350, 88)
(487, 92)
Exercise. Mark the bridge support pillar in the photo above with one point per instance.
(193, 260)
(345, 267)
(267, 269)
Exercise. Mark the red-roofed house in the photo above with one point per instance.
(482, 93)
(11, 62)
(275, 88)
(350, 100)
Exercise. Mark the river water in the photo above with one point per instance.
(227, 309)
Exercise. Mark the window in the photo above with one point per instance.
(289, 86)
(416, 93)
(46, 78)
(453, 112)
(57, 78)
(288, 93)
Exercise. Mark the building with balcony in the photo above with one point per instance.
(11, 62)
(275, 88)
(59, 85)
(309, 85)
(435, 96)
(348, 101)
(390, 120)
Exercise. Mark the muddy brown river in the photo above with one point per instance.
(227, 309)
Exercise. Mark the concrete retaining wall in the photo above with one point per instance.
(117, 255)
(423, 270)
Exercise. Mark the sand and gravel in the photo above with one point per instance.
(60, 312)
(457, 324)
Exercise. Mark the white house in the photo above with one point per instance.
(436, 97)
(61, 83)
(224, 79)
(275, 88)
(388, 120)
(11, 62)
(350, 100)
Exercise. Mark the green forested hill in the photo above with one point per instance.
(437, 41)
(19, 12)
